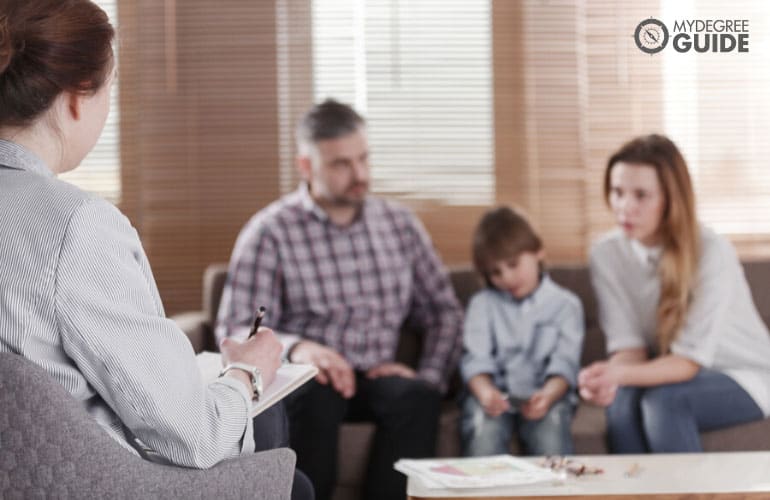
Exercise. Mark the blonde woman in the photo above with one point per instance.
(688, 350)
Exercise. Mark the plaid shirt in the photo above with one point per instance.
(349, 288)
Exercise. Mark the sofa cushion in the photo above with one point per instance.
(758, 276)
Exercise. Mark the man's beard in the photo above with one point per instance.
(347, 199)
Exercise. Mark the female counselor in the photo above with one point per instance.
(689, 352)
(77, 296)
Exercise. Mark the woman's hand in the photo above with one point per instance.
(599, 383)
(263, 350)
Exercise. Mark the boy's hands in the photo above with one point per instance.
(494, 402)
(537, 406)
(541, 401)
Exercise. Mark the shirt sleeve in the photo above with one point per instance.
(617, 317)
(478, 341)
(254, 280)
(718, 271)
(436, 308)
(113, 327)
(565, 360)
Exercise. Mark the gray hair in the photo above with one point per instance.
(327, 120)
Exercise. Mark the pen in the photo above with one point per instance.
(257, 321)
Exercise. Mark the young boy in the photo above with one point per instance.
(523, 336)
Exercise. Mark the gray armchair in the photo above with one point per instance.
(51, 448)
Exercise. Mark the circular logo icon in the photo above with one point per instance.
(651, 36)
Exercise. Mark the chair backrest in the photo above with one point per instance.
(50, 447)
(214, 279)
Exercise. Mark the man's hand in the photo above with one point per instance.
(332, 367)
(263, 350)
(391, 370)
(598, 383)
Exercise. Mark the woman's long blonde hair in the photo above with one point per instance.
(679, 231)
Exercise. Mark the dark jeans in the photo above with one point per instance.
(405, 412)
(271, 430)
(669, 418)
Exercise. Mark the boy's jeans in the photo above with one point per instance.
(484, 435)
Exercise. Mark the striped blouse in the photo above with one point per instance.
(78, 298)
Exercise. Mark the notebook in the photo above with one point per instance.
(289, 377)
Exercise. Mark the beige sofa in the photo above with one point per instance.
(589, 424)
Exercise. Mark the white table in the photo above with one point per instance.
(695, 476)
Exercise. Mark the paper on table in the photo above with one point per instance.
(476, 472)
(288, 378)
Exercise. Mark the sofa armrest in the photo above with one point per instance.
(195, 325)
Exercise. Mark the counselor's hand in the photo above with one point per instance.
(332, 367)
(263, 350)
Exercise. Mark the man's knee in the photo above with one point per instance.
(318, 403)
(415, 396)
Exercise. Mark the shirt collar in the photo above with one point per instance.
(309, 204)
(540, 294)
(13, 155)
(648, 256)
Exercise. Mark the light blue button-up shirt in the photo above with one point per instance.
(77, 297)
(521, 343)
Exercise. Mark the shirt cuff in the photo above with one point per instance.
(624, 343)
(564, 370)
(247, 441)
(470, 369)
(703, 358)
